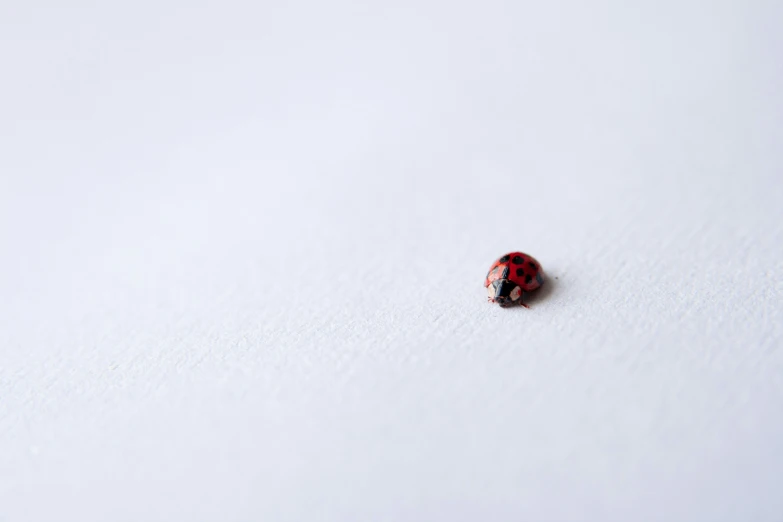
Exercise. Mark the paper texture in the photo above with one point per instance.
(242, 248)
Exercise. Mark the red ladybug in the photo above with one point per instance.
(510, 276)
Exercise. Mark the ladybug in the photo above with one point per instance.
(510, 277)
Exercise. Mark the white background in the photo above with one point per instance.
(242, 247)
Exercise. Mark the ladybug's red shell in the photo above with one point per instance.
(517, 267)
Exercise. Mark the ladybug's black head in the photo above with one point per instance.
(504, 292)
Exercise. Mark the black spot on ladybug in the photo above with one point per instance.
(528, 278)
(503, 259)
(518, 260)
(520, 272)
(532, 265)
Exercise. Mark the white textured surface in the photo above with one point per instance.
(242, 247)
